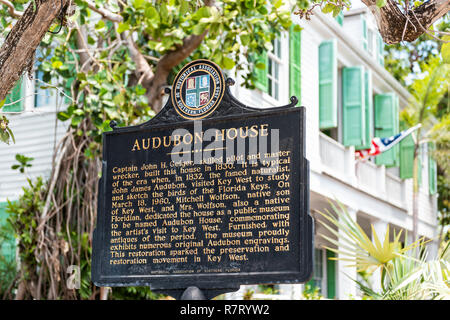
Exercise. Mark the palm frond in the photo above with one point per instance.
(367, 290)
(406, 273)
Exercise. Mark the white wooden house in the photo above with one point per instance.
(349, 98)
(335, 67)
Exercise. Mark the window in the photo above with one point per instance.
(45, 96)
(368, 112)
(272, 66)
(318, 269)
(375, 45)
(380, 51)
(317, 279)
(370, 42)
(364, 32)
(324, 274)
(273, 69)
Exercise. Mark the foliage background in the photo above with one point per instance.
(113, 67)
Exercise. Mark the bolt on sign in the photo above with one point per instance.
(210, 193)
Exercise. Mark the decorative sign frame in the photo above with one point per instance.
(172, 225)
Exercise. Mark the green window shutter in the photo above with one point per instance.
(368, 110)
(432, 170)
(364, 33)
(353, 106)
(295, 64)
(261, 81)
(7, 242)
(331, 275)
(380, 53)
(340, 17)
(17, 93)
(386, 125)
(406, 155)
(328, 84)
(396, 148)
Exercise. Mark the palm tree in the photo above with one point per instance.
(427, 92)
(406, 271)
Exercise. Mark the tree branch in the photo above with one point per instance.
(143, 71)
(170, 60)
(167, 63)
(18, 50)
(396, 26)
(12, 11)
(173, 58)
(86, 57)
(104, 12)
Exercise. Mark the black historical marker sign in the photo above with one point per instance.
(209, 193)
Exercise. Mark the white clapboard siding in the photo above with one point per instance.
(310, 91)
(36, 136)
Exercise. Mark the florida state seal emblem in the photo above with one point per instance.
(197, 89)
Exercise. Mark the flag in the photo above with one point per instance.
(380, 145)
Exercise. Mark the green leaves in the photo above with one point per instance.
(139, 3)
(381, 3)
(123, 26)
(23, 163)
(6, 133)
(199, 29)
(100, 26)
(332, 8)
(207, 18)
(228, 63)
(445, 49)
(164, 12)
(297, 28)
(119, 99)
(152, 16)
(233, 29)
